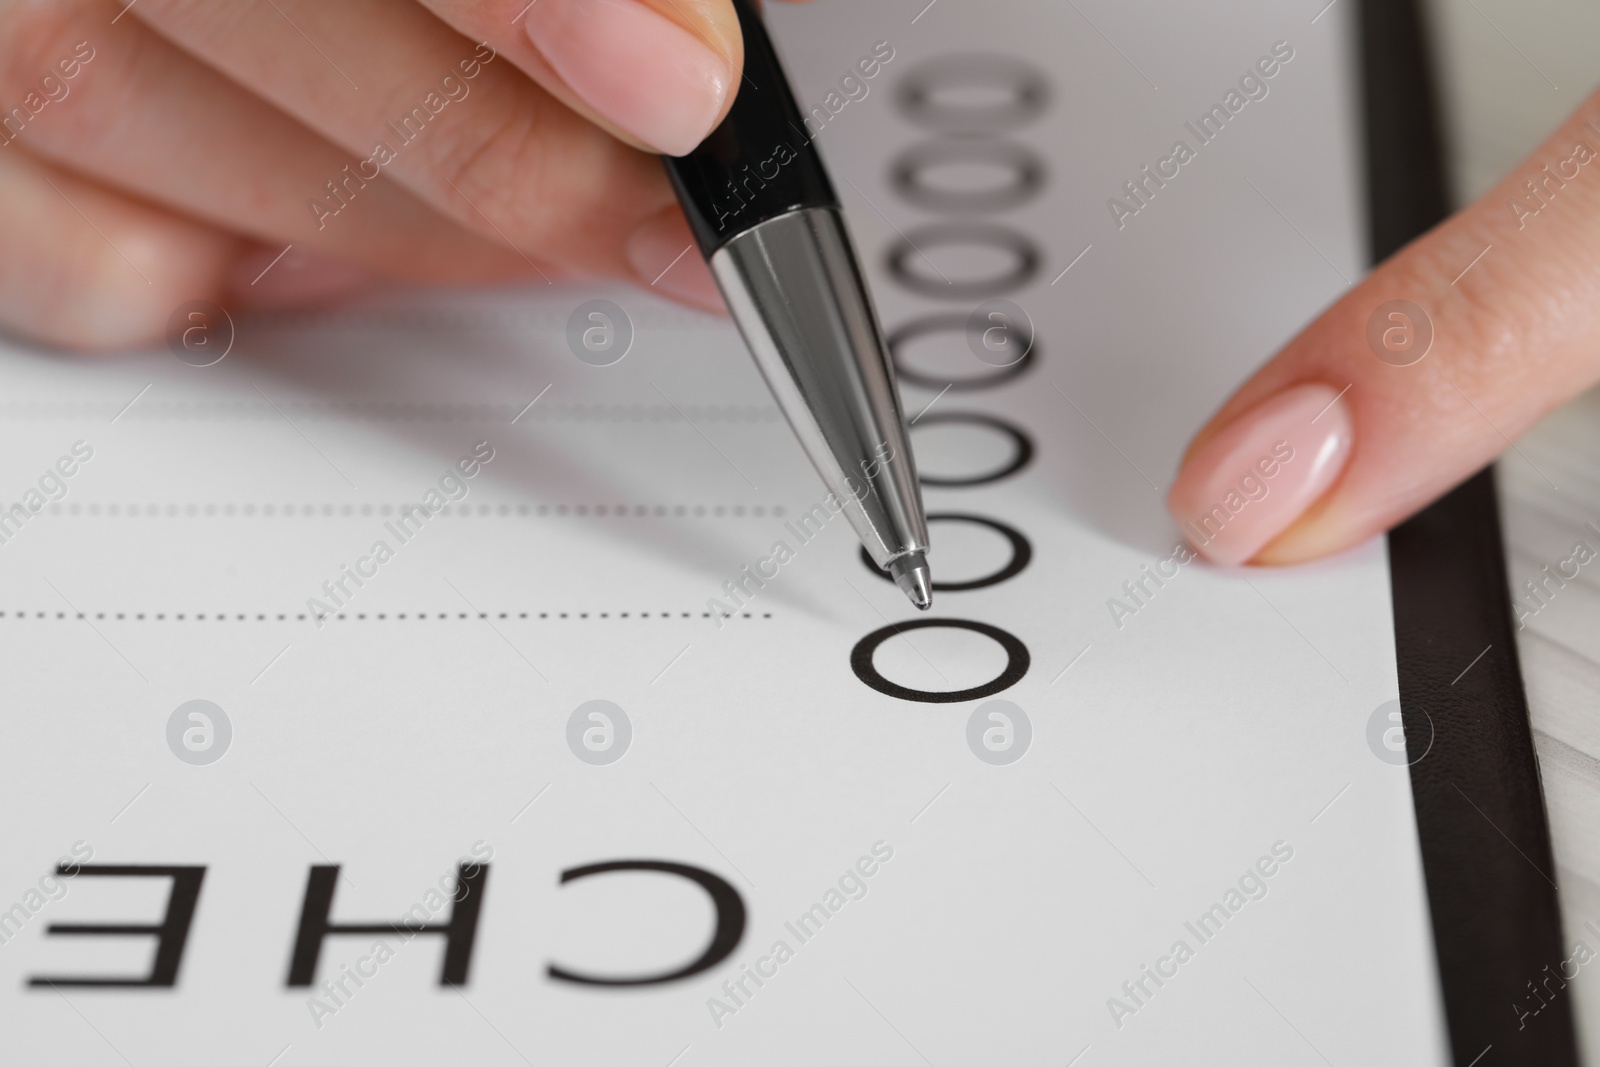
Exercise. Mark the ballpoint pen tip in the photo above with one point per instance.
(912, 575)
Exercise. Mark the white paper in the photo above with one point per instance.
(1169, 754)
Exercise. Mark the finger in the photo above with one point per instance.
(267, 277)
(139, 114)
(659, 74)
(87, 268)
(1510, 288)
(409, 99)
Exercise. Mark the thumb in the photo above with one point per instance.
(659, 74)
(1417, 377)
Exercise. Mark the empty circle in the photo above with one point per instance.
(599, 332)
(199, 732)
(1020, 447)
(1021, 554)
(200, 332)
(599, 732)
(914, 248)
(1017, 661)
(1005, 343)
(999, 732)
(973, 92)
(1023, 168)
(1399, 333)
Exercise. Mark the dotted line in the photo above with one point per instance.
(381, 411)
(461, 511)
(419, 616)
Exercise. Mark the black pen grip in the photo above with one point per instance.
(760, 162)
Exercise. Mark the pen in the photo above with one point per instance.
(769, 224)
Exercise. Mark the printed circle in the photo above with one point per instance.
(1011, 350)
(1386, 735)
(999, 732)
(1017, 662)
(199, 732)
(1021, 448)
(1026, 168)
(599, 332)
(599, 732)
(1399, 333)
(925, 93)
(200, 333)
(914, 247)
(1021, 555)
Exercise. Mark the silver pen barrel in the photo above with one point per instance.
(797, 292)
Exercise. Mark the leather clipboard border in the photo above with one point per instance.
(1481, 819)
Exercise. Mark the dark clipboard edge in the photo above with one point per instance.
(1481, 819)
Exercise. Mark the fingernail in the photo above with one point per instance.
(273, 279)
(649, 75)
(663, 254)
(1252, 480)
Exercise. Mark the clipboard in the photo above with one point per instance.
(1479, 802)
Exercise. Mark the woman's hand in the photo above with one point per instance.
(161, 151)
(1508, 289)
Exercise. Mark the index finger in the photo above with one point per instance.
(1417, 377)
